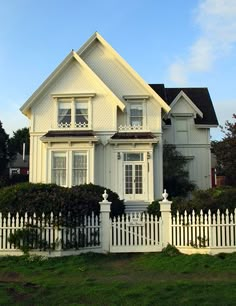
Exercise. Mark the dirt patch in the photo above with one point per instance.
(10, 277)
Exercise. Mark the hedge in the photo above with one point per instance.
(46, 198)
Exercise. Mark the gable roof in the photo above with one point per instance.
(199, 96)
(72, 55)
(152, 92)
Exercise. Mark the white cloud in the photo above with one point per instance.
(178, 73)
(217, 22)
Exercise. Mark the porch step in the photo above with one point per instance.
(135, 206)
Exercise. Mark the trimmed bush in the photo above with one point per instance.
(46, 198)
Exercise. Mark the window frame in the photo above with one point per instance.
(72, 100)
(136, 106)
(141, 102)
(69, 155)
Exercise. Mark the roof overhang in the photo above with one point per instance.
(69, 137)
(25, 109)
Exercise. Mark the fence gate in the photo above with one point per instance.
(136, 232)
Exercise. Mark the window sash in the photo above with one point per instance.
(59, 169)
(136, 115)
(64, 112)
(79, 168)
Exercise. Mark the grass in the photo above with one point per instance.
(125, 279)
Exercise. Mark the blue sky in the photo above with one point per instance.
(176, 42)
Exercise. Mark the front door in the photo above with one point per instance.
(133, 176)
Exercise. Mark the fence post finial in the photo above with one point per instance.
(105, 196)
(165, 196)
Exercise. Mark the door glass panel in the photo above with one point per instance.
(138, 179)
(128, 179)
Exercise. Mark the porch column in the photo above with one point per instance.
(165, 208)
(105, 208)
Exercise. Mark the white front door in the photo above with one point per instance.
(133, 176)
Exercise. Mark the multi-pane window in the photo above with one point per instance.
(59, 168)
(136, 114)
(64, 114)
(73, 113)
(79, 170)
(81, 114)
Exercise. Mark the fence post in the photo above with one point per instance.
(105, 208)
(165, 208)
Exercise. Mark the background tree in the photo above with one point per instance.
(16, 142)
(4, 138)
(175, 174)
(225, 151)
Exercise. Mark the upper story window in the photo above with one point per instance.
(74, 111)
(136, 115)
(136, 118)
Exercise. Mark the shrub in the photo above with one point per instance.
(154, 208)
(221, 198)
(44, 198)
(216, 198)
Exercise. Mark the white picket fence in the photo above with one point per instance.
(135, 232)
(51, 232)
(212, 233)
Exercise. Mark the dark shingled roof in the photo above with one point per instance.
(68, 133)
(133, 135)
(199, 96)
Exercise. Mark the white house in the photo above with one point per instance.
(96, 120)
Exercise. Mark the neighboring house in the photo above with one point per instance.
(96, 120)
(20, 165)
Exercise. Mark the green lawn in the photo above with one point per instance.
(126, 279)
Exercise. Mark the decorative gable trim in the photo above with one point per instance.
(25, 109)
(152, 93)
(182, 94)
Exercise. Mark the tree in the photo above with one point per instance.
(175, 175)
(4, 138)
(225, 151)
(16, 142)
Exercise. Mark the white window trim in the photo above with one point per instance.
(72, 99)
(143, 103)
(69, 164)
